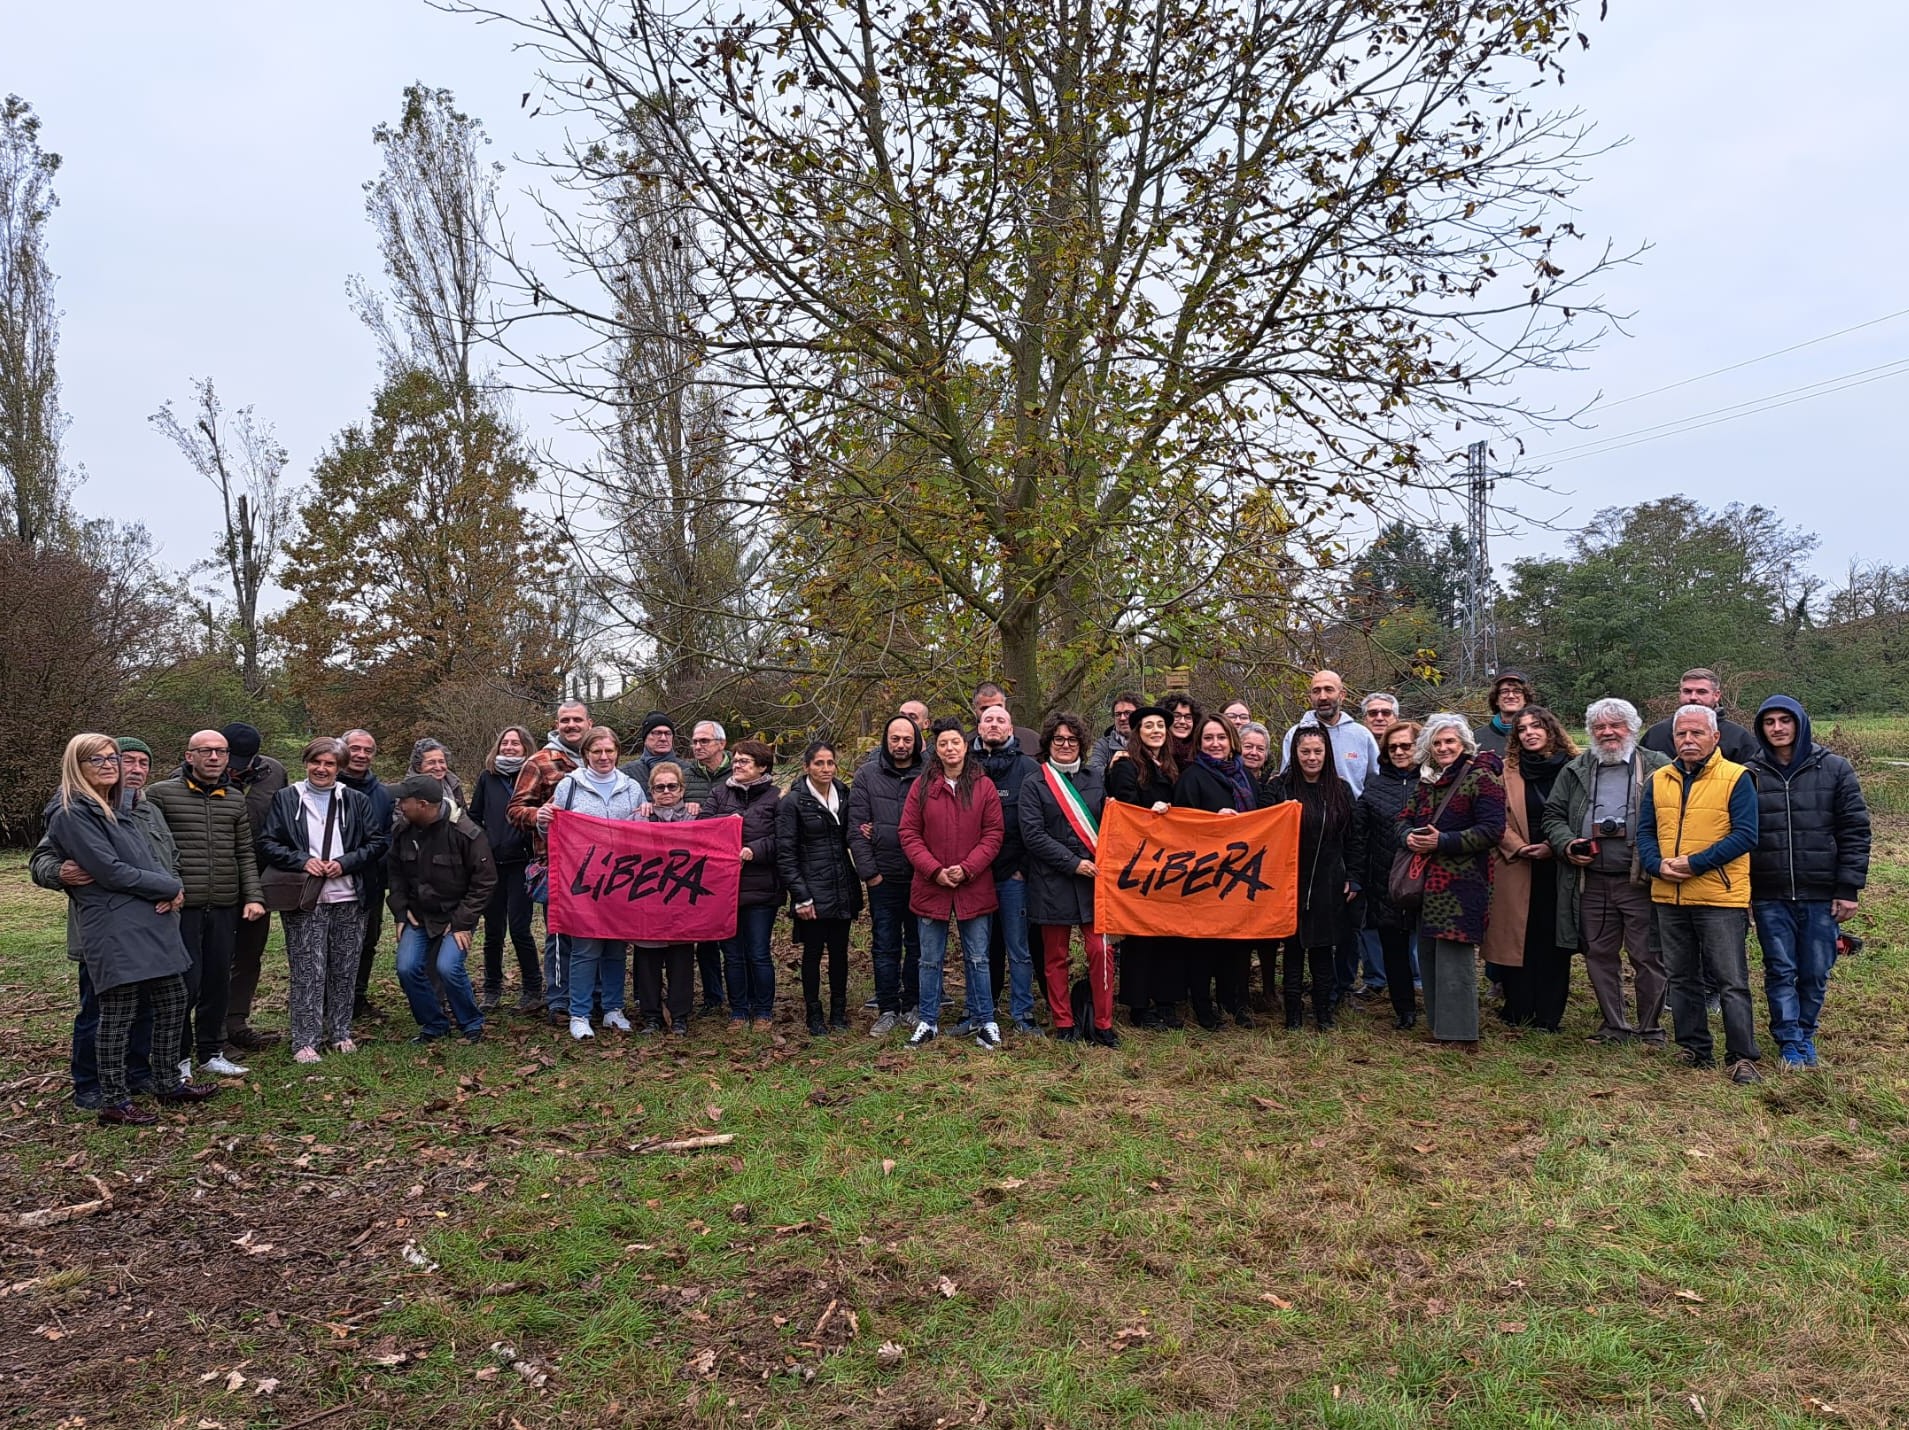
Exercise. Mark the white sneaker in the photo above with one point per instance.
(988, 1036)
(223, 1066)
(923, 1035)
(580, 1029)
(185, 1070)
(616, 1020)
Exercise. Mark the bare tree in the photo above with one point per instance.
(245, 463)
(31, 423)
(434, 208)
(1034, 288)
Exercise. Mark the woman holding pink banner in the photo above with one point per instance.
(749, 970)
(597, 965)
(1060, 825)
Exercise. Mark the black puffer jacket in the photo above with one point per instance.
(489, 811)
(357, 844)
(1010, 770)
(1379, 839)
(261, 780)
(877, 799)
(756, 803)
(218, 858)
(1813, 826)
(812, 853)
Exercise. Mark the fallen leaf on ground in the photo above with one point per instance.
(234, 1380)
(1511, 1328)
(268, 1386)
(888, 1165)
(1270, 1104)
(385, 1362)
(1131, 1335)
(1279, 1302)
(888, 1353)
(703, 1362)
(1683, 1295)
(485, 1372)
(946, 1287)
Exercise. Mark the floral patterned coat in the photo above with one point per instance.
(1458, 880)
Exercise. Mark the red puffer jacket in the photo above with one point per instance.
(938, 831)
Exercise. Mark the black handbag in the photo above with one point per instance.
(1405, 885)
(293, 891)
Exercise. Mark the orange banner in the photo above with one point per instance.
(1190, 874)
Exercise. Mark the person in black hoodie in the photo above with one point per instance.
(1329, 833)
(509, 907)
(1152, 972)
(874, 843)
(824, 894)
(1217, 782)
(1387, 788)
(1807, 871)
(998, 748)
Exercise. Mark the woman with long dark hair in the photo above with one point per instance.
(749, 969)
(1328, 840)
(1521, 937)
(1217, 782)
(509, 908)
(1183, 722)
(824, 894)
(951, 829)
(1151, 980)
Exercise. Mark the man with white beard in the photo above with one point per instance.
(1604, 902)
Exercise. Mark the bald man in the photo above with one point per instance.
(218, 864)
(1355, 754)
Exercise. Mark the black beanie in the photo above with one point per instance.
(243, 741)
(656, 720)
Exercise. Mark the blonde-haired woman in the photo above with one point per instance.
(128, 921)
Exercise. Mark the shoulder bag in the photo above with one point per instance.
(1405, 885)
(293, 891)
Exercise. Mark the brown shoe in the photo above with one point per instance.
(191, 1092)
(126, 1114)
(763, 1025)
(250, 1039)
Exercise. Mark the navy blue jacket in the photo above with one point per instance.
(1812, 822)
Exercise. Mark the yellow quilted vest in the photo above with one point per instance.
(1689, 823)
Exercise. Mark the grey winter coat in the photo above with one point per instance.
(44, 865)
(1056, 894)
(123, 939)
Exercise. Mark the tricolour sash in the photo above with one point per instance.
(1084, 827)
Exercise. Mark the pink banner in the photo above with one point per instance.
(638, 880)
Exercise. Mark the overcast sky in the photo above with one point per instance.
(211, 212)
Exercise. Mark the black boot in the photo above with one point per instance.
(838, 1014)
(817, 1028)
(1295, 1012)
(1404, 1022)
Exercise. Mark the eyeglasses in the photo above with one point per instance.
(1398, 749)
(664, 789)
(1064, 740)
(704, 740)
(101, 760)
(207, 750)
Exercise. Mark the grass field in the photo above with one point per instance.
(1250, 1229)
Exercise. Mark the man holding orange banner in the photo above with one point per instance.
(1190, 874)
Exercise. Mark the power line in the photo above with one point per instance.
(1748, 362)
(1897, 370)
(1727, 407)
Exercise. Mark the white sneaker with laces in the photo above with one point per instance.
(923, 1035)
(222, 1066)
(580, 1029)
(615, 1019)
(185, 1070)
(988, 1036)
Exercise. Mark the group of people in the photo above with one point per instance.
(1657, 847)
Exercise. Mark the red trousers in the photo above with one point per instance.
(1056, 940)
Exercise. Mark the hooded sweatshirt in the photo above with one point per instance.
(1812, 824)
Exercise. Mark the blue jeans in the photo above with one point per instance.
(1010, 926)
(416, 949)
(893, 930)
(747, 967)
(597, 967)
(1799, 950)
(85, 1064)
(974, 958)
